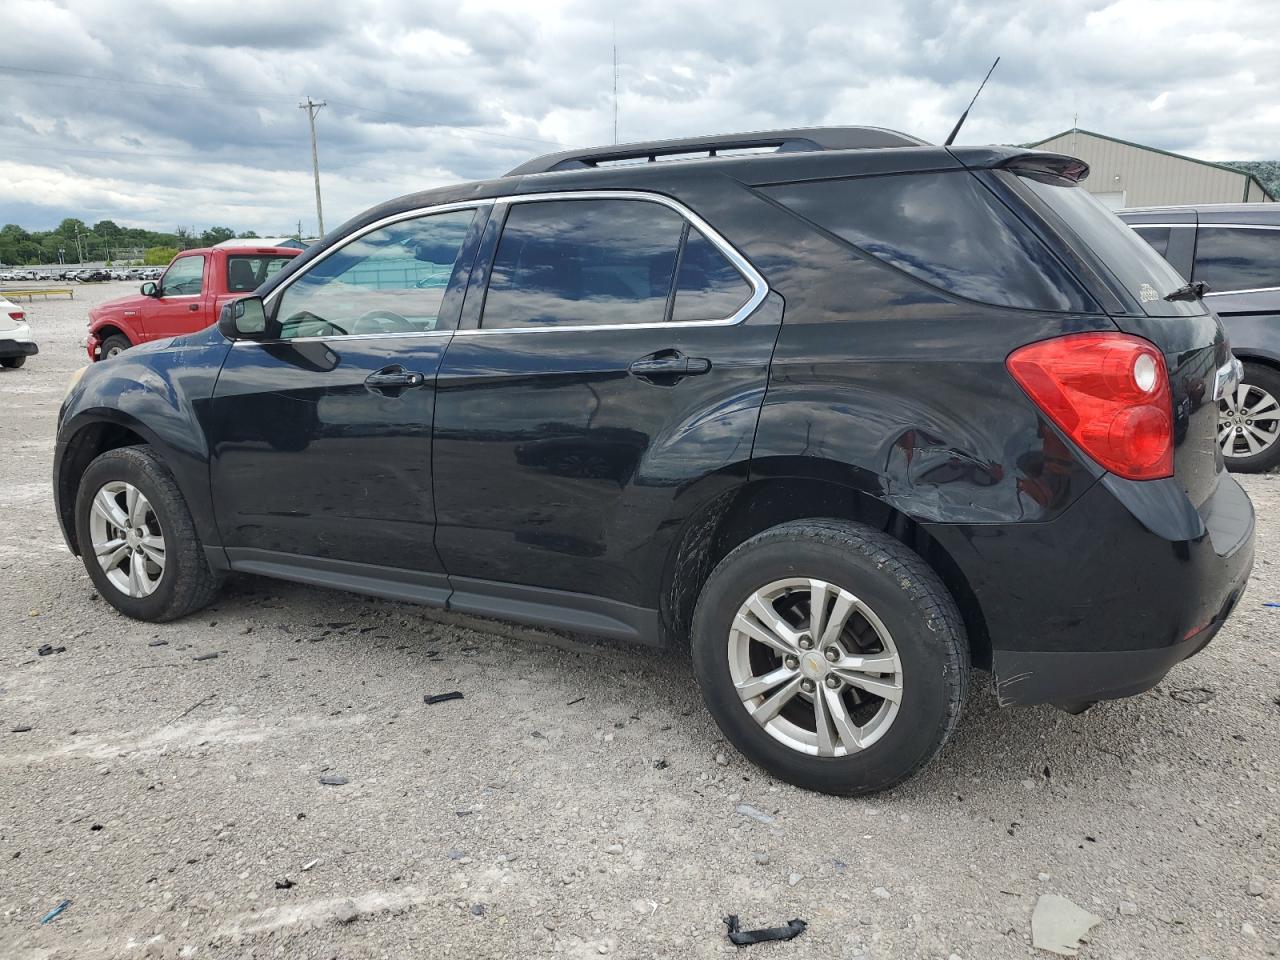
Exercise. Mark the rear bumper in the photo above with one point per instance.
(1104, 601)
(18, 348)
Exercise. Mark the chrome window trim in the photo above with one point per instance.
(354, 336)
(1232, 293)
(759, 287)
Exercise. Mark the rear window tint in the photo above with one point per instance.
(1237, 258)
(1146, 275)
(946, 229)
(709, 287)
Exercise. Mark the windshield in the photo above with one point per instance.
(1136, 267)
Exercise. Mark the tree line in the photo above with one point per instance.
(105, 240)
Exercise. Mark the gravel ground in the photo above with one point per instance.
(578, 802)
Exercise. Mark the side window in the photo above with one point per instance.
(709, 286)
(583, 263)
(1231, 258)
(1158, 237)
(184, 278)
(392, 280)
(946, 229)
(246, 274)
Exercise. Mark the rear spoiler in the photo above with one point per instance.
(1051, 166)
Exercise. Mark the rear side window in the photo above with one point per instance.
(1134, 265)
(1231, 258)
(583, 263)
(946, 229)
(1157, 237)
(245, 274)
(710, 287)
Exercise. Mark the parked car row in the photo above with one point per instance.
(81, 274)
(845, 413)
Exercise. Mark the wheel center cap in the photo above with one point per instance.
(813, 666)
(132, 538)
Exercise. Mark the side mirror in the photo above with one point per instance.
(244, 319)
(149, 289)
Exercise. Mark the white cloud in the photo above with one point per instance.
(199, 122)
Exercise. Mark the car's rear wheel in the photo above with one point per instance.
(831, 655)
(13, 363)
(113, 345)
(137, 539)
(1249, 421)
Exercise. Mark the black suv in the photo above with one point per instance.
(846, 413)
(1235, 249)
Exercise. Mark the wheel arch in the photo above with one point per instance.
(735, 516)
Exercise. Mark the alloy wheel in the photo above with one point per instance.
(1248, 422)
(127, 539)
(815, 667)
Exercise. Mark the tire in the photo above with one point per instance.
(184, 582)
(13, 363)
(908, 618)
(1259, 390)
(117, 342)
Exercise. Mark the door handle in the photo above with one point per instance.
(193, 307)
(394, 376)
(668, 366)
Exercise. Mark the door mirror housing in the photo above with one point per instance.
(150, 289)
(244, 319)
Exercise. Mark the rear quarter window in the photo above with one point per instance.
(946, 229)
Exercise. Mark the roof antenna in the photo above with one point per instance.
(965, 116)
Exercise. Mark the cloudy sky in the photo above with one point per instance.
(162, 114)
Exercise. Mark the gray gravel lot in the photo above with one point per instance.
(578, 801)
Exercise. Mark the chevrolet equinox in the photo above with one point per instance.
(844, 413)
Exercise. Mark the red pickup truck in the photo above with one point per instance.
(186, 299)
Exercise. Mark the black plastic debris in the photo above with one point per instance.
(334, 780)
(744, 938)
(21, 729)
(158, 643)
(205, 656)
(284, 884)
(660, 764)
(48, 648)
(442, 697)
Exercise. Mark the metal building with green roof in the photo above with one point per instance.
(1125, 174)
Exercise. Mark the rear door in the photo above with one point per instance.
(321, 436)
(179, 306)
(617, 357)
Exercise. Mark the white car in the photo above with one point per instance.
(15, 335)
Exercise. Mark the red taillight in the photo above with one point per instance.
(1109, 392)
(16, 315)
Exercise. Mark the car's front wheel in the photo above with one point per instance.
(13, 363)
(831, 655)
(113, 346)
(137, 538)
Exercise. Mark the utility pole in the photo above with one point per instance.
(312, 108)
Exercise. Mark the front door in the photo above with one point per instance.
(620, 358)
(321, 436)
(179, 304)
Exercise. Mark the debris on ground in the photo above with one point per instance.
(660, 764)
(1195, 695)
(53, 914)
(1059, 926)
(21, 729)
(477, 909)
(309, 864)
(158, 643)
(747, 810)
(744, 938)
(285, 884)
(346, 912)
(334, 780)
(442, 697)
(45, 649)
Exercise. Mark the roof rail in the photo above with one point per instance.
(797, 140)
